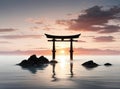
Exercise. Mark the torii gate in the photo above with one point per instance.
(65, 39)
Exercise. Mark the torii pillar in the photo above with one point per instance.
(53, 50)
(71, 49)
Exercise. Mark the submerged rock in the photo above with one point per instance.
(90, 64)
(53, 61)
(34, 61)
(108, 64)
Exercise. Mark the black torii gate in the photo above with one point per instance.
(65, 39)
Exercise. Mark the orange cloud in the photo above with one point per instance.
(28, 52)
(86, 51)
(77, 51)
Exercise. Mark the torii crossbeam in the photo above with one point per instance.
(55, 38)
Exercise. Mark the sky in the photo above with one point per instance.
(23, 24)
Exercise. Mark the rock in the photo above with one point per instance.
(23, 63)
(90, 64)
(53, 61)
(32, 57)
(33, 61)
(108, 64)
(43, 59)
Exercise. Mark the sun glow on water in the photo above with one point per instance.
(63, 66)
(63, 60)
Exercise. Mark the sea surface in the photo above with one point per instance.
(63, 75)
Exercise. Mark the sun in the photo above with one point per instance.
(62, 51)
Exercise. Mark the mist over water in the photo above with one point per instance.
(65, 74)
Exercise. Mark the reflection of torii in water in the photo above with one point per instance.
(71, 69)
(54, 73)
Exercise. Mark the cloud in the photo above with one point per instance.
(41, 48)
(77, 51)
(104, 39)
(41, 23)
(64, 22)
(89, 51)
(88, 36)
(36, 21)
(4, 42)
(110, 29)
(81, 41)
(7, 29)
(20, 36)
(94, 16)
(27, 52)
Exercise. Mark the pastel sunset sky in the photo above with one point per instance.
(23, 24)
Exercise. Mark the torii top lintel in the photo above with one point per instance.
(62, 37)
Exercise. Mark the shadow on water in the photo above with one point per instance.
(34, 69)
(90, 68)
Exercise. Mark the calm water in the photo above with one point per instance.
(65, 75)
